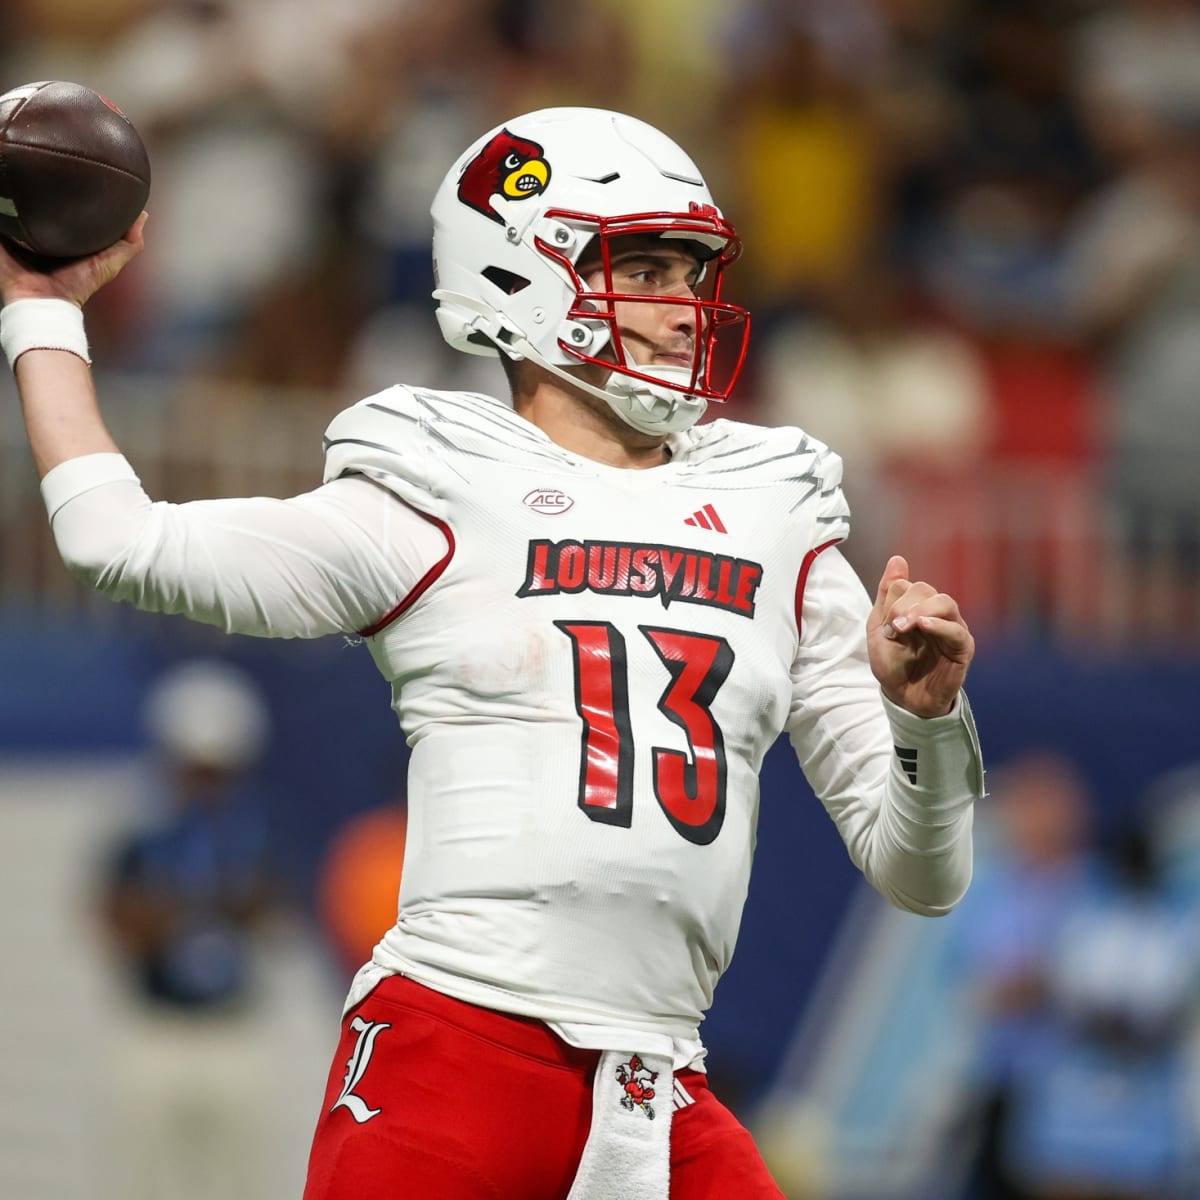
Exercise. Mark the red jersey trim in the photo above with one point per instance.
(423, 584)
(802, 578)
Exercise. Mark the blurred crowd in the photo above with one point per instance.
(187, 894)
(970, 225)
(1078, 950)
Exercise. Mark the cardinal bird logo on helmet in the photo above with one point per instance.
(508, 166)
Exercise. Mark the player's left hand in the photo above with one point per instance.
(918, 643)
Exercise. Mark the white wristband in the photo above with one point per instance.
(42, 325)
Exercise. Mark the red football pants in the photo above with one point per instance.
(433, 1098)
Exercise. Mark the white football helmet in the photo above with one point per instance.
(512, 218)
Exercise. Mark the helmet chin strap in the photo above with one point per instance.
(656, 411)
(651, 409)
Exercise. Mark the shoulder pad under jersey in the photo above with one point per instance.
(416, 441)
(735, 456)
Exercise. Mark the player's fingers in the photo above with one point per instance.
(896, 572)
(920, 600)
(134, 235)
(952, 637)
(131, 244)
(104, 267)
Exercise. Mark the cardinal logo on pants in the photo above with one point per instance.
(636, 1079)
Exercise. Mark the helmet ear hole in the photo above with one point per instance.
(509, 282)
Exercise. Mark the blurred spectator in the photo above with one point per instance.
(892, 391)
(879, 382)
(1137, 291)
(1109, 1115)
(186, 897)
(1174, 800)
(1013, 173)
(804, 158)
(549, 53)
(676, 52)
(1007, 932)
(1084, 964)
(1132, 62)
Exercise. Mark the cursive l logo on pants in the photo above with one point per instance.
(356, 1068)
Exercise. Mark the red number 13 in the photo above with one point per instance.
(690, 787)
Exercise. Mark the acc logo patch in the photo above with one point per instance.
(548, 500)
(508, 166)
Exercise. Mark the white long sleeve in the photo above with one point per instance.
(336, 559)
(900, 788)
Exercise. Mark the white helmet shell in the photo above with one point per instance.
(512, 218)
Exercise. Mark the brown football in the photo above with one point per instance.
(74, 173)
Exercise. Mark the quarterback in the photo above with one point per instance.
(596, 615)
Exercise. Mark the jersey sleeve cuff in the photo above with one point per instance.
(936, 757)
(79, 475)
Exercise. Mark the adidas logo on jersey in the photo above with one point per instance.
(908, 763)
(706, 518)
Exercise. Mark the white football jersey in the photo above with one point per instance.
(590, 665)
(589, 681)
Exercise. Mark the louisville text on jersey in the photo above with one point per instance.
(636, 569)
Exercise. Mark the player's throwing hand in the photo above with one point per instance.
(918, 643)
(77, 280)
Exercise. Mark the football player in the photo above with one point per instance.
(596, 615)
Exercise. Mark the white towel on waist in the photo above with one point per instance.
(628, 1150)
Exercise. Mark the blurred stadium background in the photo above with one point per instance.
(973, 254)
